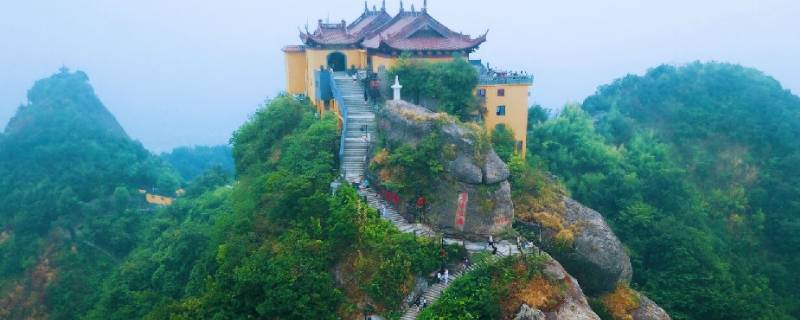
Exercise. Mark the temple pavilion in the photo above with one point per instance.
(375, 41)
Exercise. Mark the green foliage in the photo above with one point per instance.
(481, 294)
(208, 181)
(503, 142)
(537, 115)
(450, 85)
(68, 175)
(269, 246)
(684, 163)
(192, 162)
(411, 170)
(254, 141)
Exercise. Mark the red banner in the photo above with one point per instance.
(391, 197)
(461, 210)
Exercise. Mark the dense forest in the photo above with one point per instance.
(79, 241)
(192, 162)
(697, 168)
(70, 209)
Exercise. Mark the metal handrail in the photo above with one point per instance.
(490, 80)
(337, 95)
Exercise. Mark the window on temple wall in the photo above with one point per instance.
(481, 92)
(519, 146)
(501, 110)
(501, 92)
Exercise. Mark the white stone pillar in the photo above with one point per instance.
(396, 87)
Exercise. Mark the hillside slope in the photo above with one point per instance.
(69, 176)
(697, 169)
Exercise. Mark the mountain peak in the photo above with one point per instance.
(64, 103)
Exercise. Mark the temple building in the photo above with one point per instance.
(374, 42)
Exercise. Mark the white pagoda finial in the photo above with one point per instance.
(396, 88)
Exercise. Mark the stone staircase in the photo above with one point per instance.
(435, 291)
(357, 138)
(389, 213)
(360, 126)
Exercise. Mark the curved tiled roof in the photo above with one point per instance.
(414, 30)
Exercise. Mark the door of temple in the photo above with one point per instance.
(337, 61)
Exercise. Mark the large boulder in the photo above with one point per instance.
(539, 303)
(574, 305)
(648, 310)
(593, 254)
(528, 313)
(474, 170)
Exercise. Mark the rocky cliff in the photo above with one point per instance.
(577, 236)
(472, 172)
(597, 257)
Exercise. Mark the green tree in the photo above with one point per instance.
(448, 86)
(503, 142)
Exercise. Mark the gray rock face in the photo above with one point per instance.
(649, 310)
(554, 272)
(528, 313)
(598, 258)
(495, 170)
(574, 306)
(463, 169)
(489, 209)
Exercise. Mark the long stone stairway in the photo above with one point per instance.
(435, 291)
(358, 135)
(360, 126)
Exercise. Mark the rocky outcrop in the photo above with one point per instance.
(573, 304)
(595, 255)
(648, 310)
(472, 170)
(528, 313)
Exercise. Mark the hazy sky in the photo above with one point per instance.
(179, 72)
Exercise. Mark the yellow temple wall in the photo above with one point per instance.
(316, 58)
(158, 200)
(516, 102)
(296, 72)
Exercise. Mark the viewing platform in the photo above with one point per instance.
(505, 78)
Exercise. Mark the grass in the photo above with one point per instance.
(621, 303)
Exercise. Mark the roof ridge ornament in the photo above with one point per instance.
(383, 5)
(401, 7)
(425, 6)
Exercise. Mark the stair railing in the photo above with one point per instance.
(337, 95)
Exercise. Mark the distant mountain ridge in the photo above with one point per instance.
(69, 202)
(64, 99)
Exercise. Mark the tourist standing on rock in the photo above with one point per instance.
(491, 245)
(446, 276)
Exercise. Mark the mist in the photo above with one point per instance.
(190, 72)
